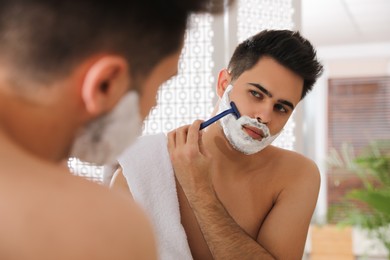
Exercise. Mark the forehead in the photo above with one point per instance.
(276, 78)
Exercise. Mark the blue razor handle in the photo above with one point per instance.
(233, 110)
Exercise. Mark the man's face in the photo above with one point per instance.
(163, 71)
(269, 92)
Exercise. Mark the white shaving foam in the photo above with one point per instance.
(233, 129)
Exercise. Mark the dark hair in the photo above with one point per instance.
(44, 39)
(287, 47)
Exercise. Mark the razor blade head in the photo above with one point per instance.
(236, 113)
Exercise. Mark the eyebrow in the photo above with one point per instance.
(267, 93)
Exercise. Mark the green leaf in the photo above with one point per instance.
(379, 200)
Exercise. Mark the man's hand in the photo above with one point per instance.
(190, 162)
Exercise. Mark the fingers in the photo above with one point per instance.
(171, 141)
(185, 135)
(177, 138)
(193, 132)
(181, 135)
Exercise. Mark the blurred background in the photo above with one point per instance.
(350, 114)
(343, 124)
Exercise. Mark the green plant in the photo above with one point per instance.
(373, 168)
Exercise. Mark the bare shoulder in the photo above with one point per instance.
(54, 215)
(295, 166)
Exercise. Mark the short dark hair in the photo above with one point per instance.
(287, 47)
(44, 39)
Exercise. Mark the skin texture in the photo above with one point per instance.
(236, 206)
(47, 213)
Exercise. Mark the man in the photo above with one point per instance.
(64, 67)
(239, 196)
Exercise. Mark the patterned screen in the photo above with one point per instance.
(256, 15)
(189, 95)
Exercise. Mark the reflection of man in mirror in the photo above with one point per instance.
(240, 197)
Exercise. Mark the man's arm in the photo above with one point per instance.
(279, 237)
(225, 238)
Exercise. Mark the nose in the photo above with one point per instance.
(264, 116)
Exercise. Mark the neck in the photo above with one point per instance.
(41, 129)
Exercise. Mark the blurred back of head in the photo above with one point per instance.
(42, 40)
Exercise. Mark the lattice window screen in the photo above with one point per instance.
(86, 170)
(256, 15)
(189, 95)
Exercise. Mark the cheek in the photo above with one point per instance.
(243, 106)
(240, 102)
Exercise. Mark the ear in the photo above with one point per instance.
(105, 82)
(224, 80)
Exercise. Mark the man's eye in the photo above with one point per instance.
(280, 108)
(256, 94)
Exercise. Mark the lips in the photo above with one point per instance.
(254, 132)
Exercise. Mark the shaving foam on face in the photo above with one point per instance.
(233, 129)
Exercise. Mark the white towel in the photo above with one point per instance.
(148, 170)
